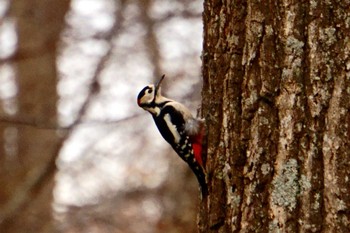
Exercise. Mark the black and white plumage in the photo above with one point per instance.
(177, 126)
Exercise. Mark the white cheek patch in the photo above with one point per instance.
(148, 98)
(172, 128)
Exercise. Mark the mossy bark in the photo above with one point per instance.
(276, 100)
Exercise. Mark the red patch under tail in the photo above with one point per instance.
(197, 149)
(197, 141)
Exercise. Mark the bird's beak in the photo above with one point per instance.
(159, 84)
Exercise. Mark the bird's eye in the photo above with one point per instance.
(149, 91)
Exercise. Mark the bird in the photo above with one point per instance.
(177, 125)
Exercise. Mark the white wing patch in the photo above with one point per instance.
(172, 128)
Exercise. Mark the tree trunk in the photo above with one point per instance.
(276, 99)
(29, 142)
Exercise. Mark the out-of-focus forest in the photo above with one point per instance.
(77, 153)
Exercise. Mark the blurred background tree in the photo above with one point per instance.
(77, 154)
(29, 141)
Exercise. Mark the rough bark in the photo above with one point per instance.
(29, 143)
(276, 99)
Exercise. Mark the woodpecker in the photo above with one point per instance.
(178, 127)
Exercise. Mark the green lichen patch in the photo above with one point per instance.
(286, 186)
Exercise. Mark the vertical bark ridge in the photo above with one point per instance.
(222, 52)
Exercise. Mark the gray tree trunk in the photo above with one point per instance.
(276, 98)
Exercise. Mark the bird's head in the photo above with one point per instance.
(149, 94)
